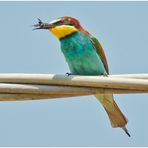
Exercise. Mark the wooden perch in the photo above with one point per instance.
(44, 86)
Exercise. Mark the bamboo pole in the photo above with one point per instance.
(88, 81)
(22, 97)
(11, 92)
(132, 76)
(59, 90)
(44, 86)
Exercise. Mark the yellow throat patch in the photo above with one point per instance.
(63, 30)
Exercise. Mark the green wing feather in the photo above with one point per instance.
(100, 51)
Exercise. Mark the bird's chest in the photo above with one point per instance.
(81, 55)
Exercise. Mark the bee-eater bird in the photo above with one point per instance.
(85, 56)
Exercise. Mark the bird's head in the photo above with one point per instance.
(61, 27)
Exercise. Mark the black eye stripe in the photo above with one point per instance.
(64, 22)
(58, 22)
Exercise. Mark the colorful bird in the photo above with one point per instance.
(85, 56)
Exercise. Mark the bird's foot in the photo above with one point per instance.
(126, 131)
(68, 74)
(104, 74)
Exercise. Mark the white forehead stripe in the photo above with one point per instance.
(54, 21)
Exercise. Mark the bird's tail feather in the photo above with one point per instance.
(115, 115)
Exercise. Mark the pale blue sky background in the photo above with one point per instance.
(121, 27)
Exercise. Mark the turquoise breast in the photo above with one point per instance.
(81, 55)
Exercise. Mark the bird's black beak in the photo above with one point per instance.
(42, 25)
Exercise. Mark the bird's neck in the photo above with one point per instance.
(63, 31)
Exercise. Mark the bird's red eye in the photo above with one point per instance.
(61, 22)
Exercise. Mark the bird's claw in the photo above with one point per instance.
(104, 75)
(68, 74)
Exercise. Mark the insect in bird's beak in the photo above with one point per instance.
(42, 25)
